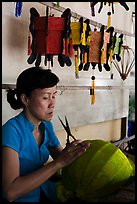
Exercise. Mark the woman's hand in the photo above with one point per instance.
(71, 152)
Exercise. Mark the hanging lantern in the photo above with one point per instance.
(96, 44)
(94, 58)
(127, 61)
(49, 37)
(95, 40)
(78, 32)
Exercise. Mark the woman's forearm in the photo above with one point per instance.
(25, 184)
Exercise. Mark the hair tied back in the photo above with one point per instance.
(12, 100)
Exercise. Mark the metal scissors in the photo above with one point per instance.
(67, 129)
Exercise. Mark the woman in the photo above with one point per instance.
(29, 138)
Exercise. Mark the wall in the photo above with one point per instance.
(108, 130)
(110, 104)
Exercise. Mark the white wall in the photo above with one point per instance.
(109, 104)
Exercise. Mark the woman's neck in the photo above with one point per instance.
(33, 120)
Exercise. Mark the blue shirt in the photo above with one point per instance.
(17, 134)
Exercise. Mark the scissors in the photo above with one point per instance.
(67, 129)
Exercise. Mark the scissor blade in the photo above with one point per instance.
(67, 125)
(69, 128)
(63, 124)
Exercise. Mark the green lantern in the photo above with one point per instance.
(96, 174)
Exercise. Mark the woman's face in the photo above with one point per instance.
(40, 105)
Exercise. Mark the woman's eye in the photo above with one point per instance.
(45, 98)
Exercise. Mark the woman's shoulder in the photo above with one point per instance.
(12, 121)
(12, 133)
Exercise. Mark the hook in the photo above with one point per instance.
(50, 13)
(109, 88)
(95, 26)
(62, 89)
(75, 17)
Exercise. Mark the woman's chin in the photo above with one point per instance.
(50, 116)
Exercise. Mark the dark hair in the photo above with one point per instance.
(30, 79)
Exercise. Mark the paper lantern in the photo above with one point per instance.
(98, 173)
(126, 62)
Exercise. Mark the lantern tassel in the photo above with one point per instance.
(76, 65)
(76, 61)
(92, 90)
(109, 20)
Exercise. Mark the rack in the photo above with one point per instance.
(63, 88)
(77, 16)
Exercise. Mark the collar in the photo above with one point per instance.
(28, 123)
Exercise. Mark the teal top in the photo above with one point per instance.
(17, 134)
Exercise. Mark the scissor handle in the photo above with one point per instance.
(68, 142)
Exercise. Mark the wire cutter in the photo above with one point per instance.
(67, 129)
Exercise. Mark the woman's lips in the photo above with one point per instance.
(51, 113)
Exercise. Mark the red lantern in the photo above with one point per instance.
(48, 36)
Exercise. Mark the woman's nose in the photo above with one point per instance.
(51, 102)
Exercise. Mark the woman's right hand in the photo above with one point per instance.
(71, 152)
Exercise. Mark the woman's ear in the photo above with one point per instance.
(24, 99)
